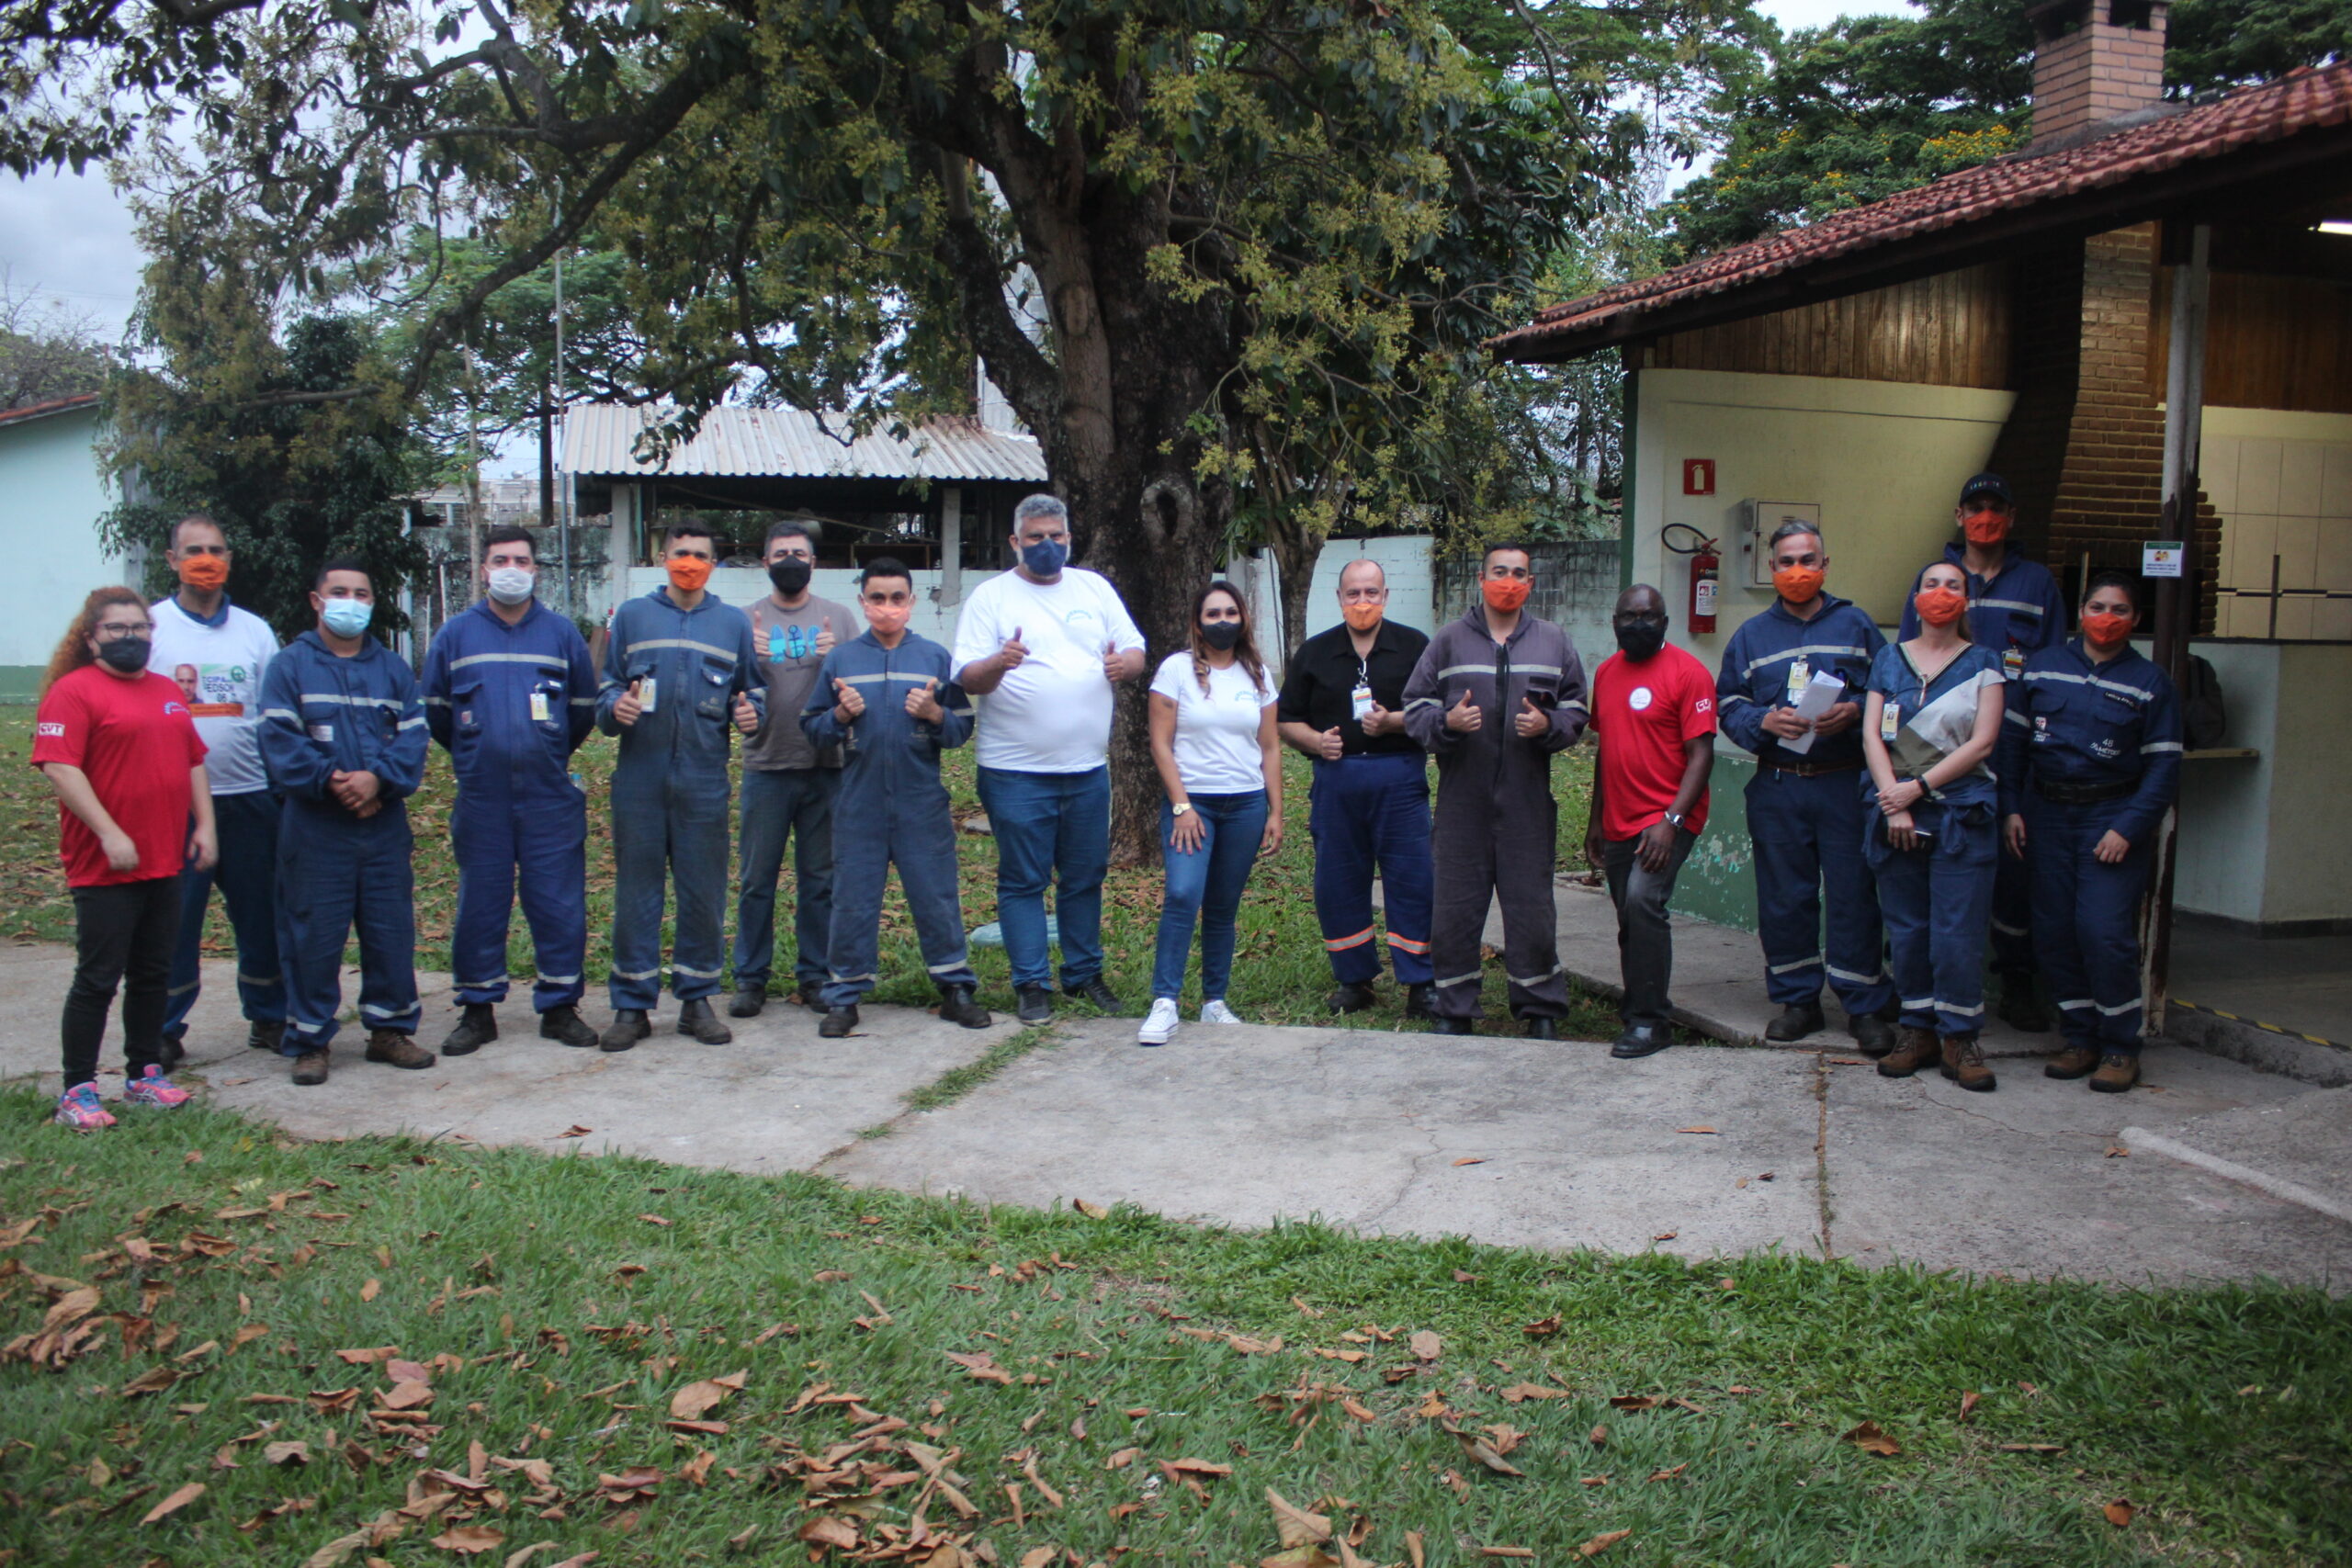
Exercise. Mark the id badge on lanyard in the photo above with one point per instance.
(538, 707)
(1359, 699)
(1800, 676)
(1890, 722)
(2012, 663)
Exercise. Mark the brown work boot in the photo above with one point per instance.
(1914, 1049)
(1964, 1063)
(2116, 1072)
(2074, 1061)
(311, 1066)
(395, 1049)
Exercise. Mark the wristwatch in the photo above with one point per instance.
(1181, 808)
(1674, 818)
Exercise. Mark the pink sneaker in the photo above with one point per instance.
(78, 1107)
(152, 1087)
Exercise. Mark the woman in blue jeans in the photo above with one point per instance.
(1928, 725)
(1213, 736)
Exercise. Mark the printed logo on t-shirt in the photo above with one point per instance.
(789, 642)
(1704, 705)
(52, 730)
(1081, 622)
(213, 691)
(171, 708)
(1640, 700)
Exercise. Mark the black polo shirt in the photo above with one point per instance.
(1319, 686)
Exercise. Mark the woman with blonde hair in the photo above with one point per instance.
(1214, 739)
(133, 808)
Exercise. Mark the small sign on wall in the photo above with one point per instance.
(2160, 557)
(1698, 476)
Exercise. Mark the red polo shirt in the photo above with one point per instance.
(1644, 714)
(135, 742)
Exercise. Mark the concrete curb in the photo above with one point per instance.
(2277, 1186)
(2297, 1056)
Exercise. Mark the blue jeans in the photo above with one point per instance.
(1048, 825)
(246, 874)
(1205, 885)
(780, 803)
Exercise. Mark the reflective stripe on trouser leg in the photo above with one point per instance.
(1339, 820)
(924, 851)
(552, 854)
(1785, 838)
(698, 847)
(641, 868)
(860, 867)
(384, 919)
(1401, 846)
(1856, 944)
(481, 833)
(2085, 922)
(1960, 898)
(317, 892)
(1526, 849)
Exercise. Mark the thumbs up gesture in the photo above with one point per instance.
(1463, 715)
(1329, 744)
(848, 702)
(1532, 721)
(825, 637)
(629, 706)
(747, 717)
(1013, 651)
(922, 703)
(1114, 664)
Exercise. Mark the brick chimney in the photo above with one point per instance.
(2094, 61)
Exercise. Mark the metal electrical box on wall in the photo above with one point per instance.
(1764, 517)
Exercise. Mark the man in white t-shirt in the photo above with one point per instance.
(218, 653)
(1042, 648)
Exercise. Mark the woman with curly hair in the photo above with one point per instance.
(120, 750)
(1213, 736)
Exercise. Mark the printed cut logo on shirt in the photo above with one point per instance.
(53, 730)
(1640, 699)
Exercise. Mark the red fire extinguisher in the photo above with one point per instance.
(1705, 569)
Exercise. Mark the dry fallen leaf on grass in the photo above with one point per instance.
(575, 1131)
(1425, 1346)
(2118, 1513)
(1091, 1211)
(825, 1530)
(1602, 1544)
(653, 1219)
(1505, 1551)
(1294, 1525)
(1518, 1393)
(697, 1399)
(1635, 1400)
(981, 1365)
(1415, 1549)
(175, 1503)
(469, 1540)
(1666, 1236)
(1669, 1474)
(1968, 1401)
(1543, 1327)
(2033, 1448)
(1870, 1441)
(1598, 1437)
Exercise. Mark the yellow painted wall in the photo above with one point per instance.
(1885, 459)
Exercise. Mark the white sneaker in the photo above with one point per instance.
(1160, 1027)
(1217, 1012)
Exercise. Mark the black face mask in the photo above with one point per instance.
(1221, 635)
(790, 575)
(1640, 639)
(127, 654)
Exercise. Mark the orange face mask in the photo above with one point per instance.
(1504, 593)
(2107, 629)
(1939, 606)
(1362, 617)
(1798, 584)
(689, 573)
(886, 619)
(1985, 526)
(204, 573)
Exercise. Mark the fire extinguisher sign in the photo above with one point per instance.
(1698, 476)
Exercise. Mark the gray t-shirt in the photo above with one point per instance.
(787, 643)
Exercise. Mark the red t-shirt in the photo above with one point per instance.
(136, 742)
(1643, 714)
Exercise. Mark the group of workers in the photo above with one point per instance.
(1985, 770)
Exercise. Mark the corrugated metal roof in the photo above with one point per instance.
(2301, 102)
(42, 411)
(601, 438)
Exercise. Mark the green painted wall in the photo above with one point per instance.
(1718, 882)
(55, 497)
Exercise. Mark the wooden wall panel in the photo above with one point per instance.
(2271, 342)
(1952, 330)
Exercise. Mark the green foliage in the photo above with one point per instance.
(1869, 106)
(46, 351)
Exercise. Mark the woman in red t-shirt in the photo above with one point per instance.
(122, 754)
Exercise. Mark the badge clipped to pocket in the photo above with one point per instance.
(1890, 721)
(1800, 677)
(538, 707)
(645, 693)
(1361, 699)
(2012, 663)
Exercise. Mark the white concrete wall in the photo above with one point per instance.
(2282, 482)
(1884, 461)
(55, 496)
(1412, 587)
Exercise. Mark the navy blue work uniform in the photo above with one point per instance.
(892, 809)
(1805, 815)
(511, 703)
(323, 714)
(670, 791)
(1369, 809)
(2014, 615)
(1935, 898)
(2089, 748)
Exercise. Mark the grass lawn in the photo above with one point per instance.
(220, 1346)
(1280, 973)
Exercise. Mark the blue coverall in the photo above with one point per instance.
(2012, 615)
(1803, 814)
(322, 713)
(670, 790)
(891, 809)
(511, 703)
(2086, 748)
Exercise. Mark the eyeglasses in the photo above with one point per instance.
(115, 631)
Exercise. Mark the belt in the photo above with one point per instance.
(1813, 770)
(2059, 793)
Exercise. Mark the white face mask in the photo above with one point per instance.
(512, 584)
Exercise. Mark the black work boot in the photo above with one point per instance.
(696, 1018)
(267, 1034)
(1456, 1026)
(1641, 1040)
(1351, 997)
(1096, 990)
(957, 1006)
(1796, 1020)
(1874, 1033)
(839, 1023)
(477, 1028)
(629, 1025)
(565, 1026)
(747, 1001)
(1542, 1029)
(1417, 1000)
(1034, 1004)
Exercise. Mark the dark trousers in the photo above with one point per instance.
(668, 827)
(544, 835)
(798, 804)
(122, 936)
(339, 877)
(2013, 946)
(1371, 815)
(1644, 941)
(1490, 846)
(246, 874)
(1808, 841)
(1935, 900)
(866, 844)
(2087, 921)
